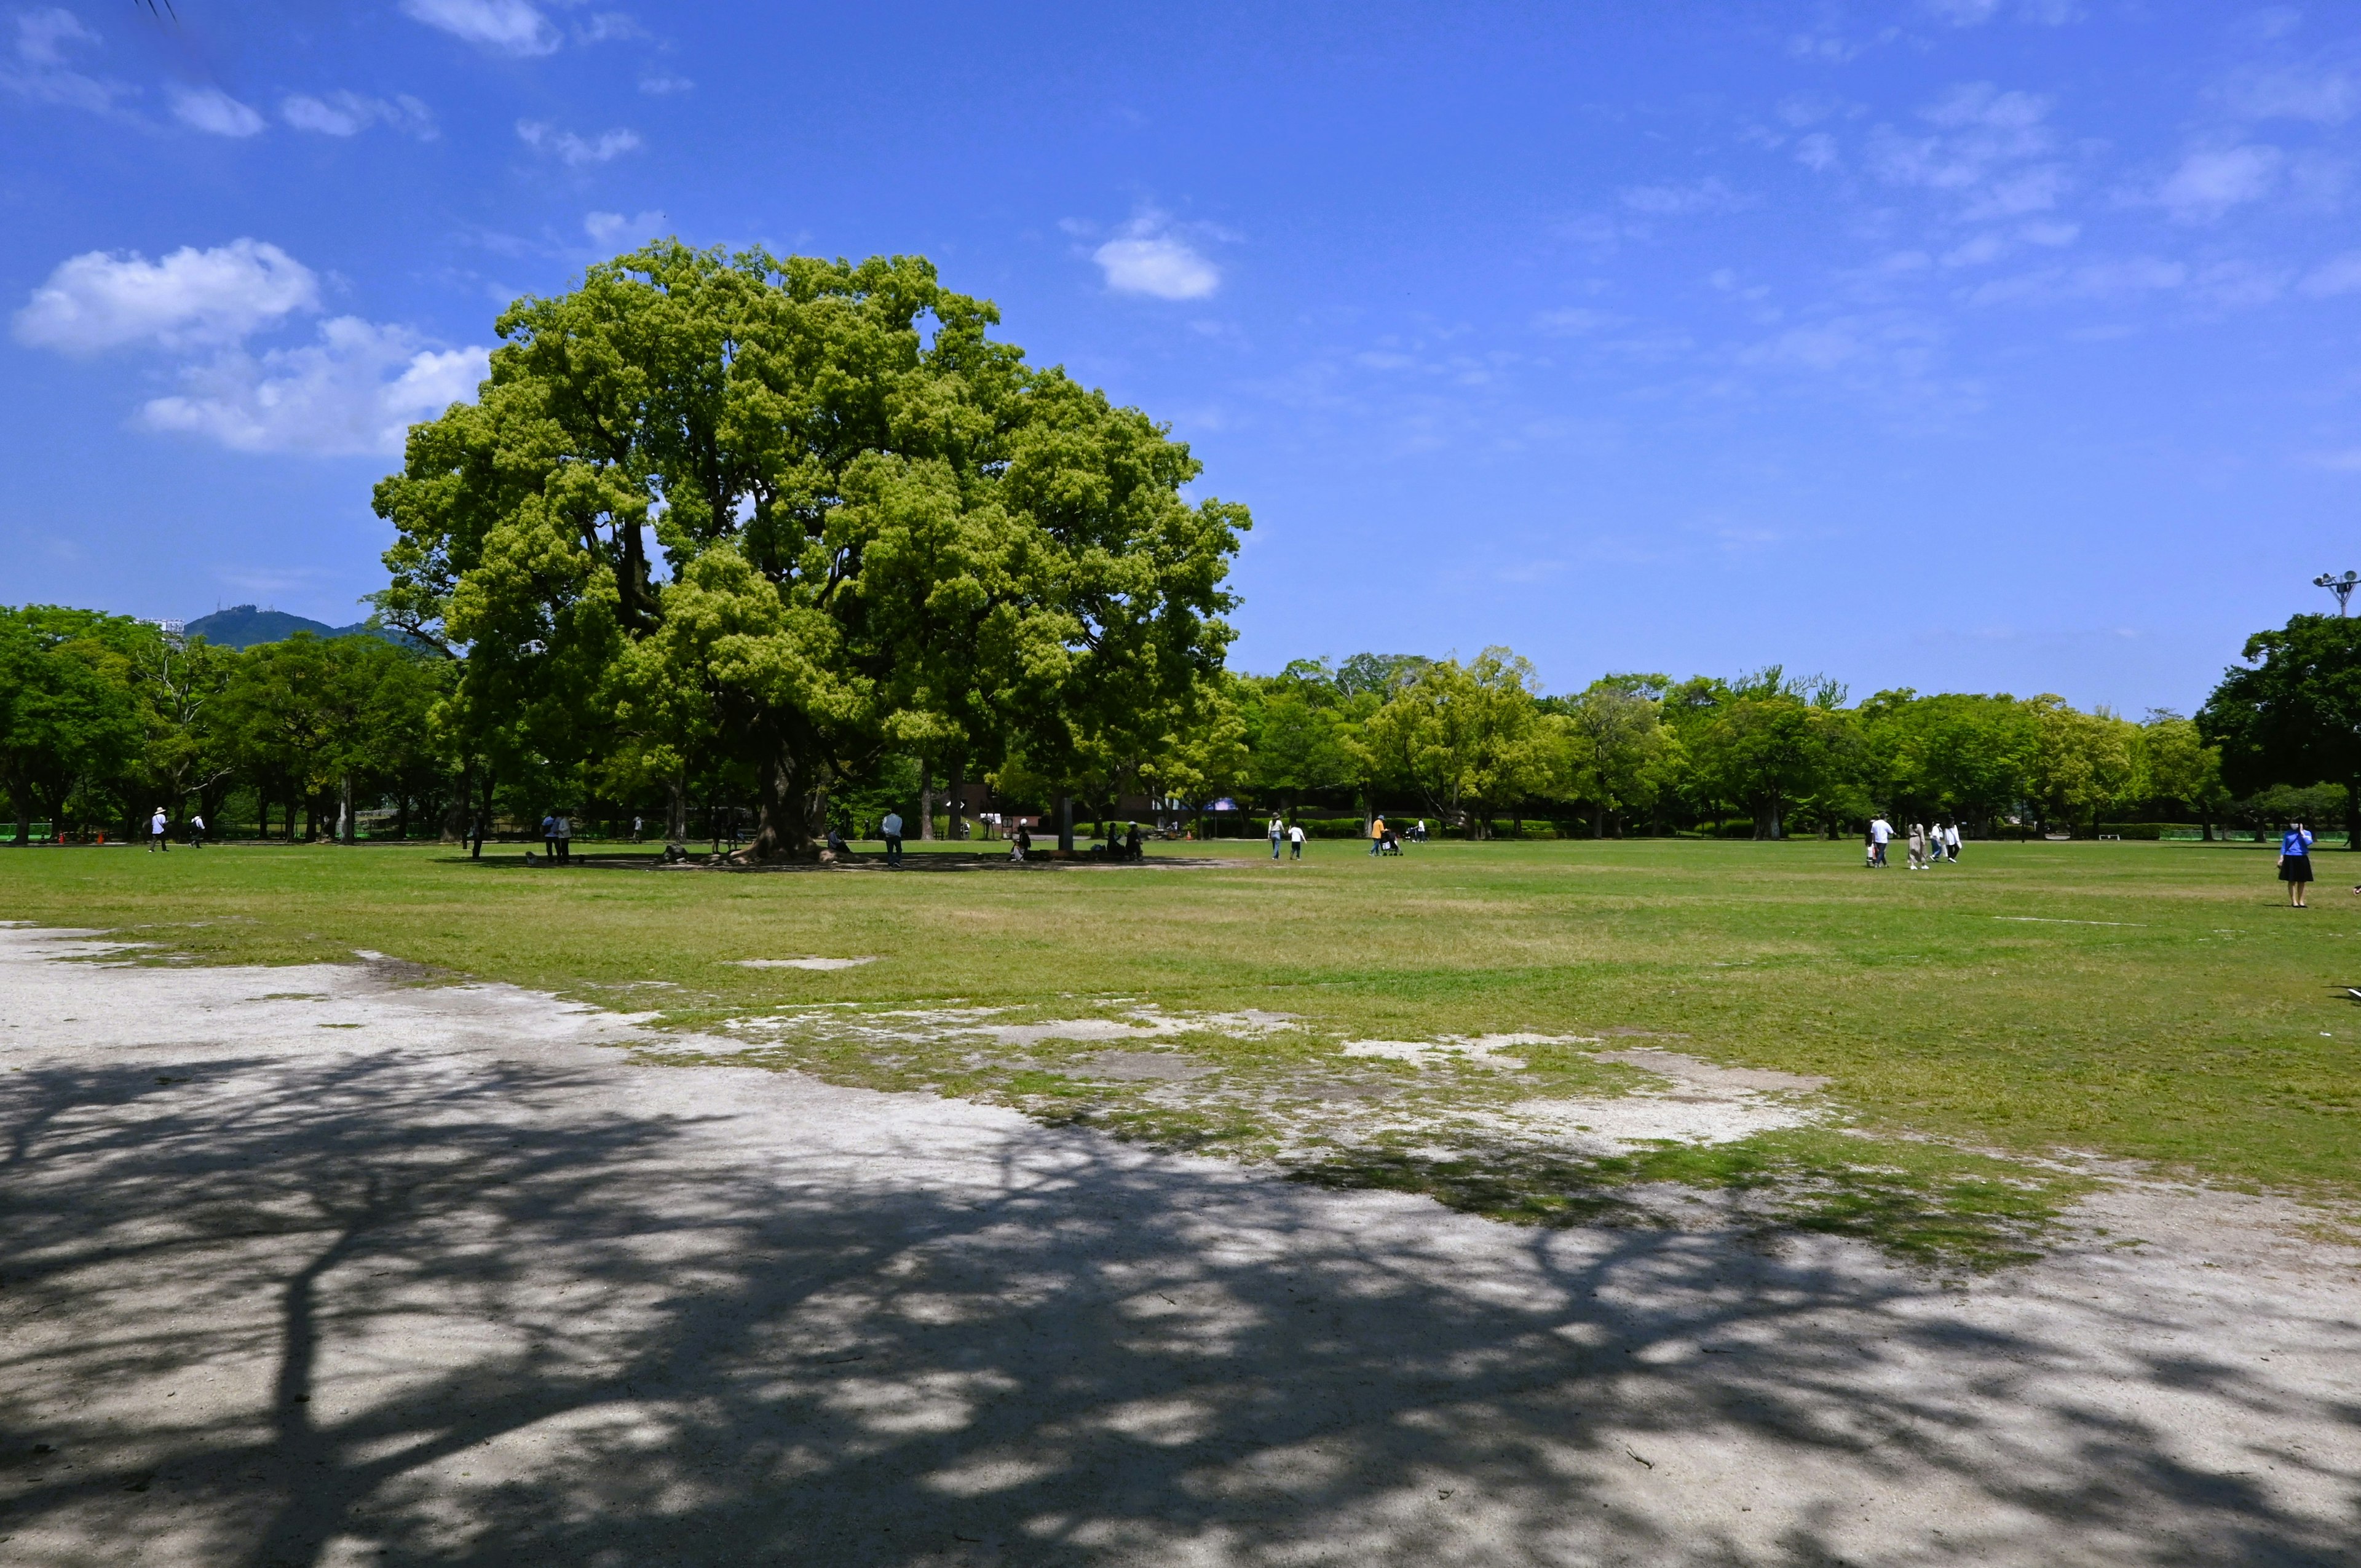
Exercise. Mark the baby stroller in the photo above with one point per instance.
(1388, 843)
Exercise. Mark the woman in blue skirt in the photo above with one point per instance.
(2295, 862)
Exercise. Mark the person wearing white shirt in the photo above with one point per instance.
(1295, 841)
(155, 839)
(1951, 842)
(1881, 833)
(197, 830)
(891, 831)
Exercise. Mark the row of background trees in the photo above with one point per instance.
(102, 719)
(787, 541)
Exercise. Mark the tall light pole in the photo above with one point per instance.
(2341, 586)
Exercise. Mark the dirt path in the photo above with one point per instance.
(303, 1266)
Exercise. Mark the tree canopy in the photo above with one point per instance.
(804, 511)
(2291, 714)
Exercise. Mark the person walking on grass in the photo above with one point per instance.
(196, 830)
(1295, 841)
(1881, 833)
(1951, 842)
(155, 839)
(1917, 847)
(1020, 841)
(563, 825)
(1278, 836)
(1377, 835)
(2295, 863)
(891, 831)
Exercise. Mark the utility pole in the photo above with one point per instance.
(2341, 586)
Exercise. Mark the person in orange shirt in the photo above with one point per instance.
(1376, 834)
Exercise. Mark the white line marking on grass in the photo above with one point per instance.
(2053, 920)
(801, 963)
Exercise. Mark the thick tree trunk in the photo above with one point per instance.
(1598, 821)
(344, 824)
(926, 802)
(794, 810)
(483, 815)
(455, 815)
(1066, 823)
(676, 809)
(1766, 819)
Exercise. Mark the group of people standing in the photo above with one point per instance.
(1927, 843)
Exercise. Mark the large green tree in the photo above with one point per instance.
(2292, 714)
(1622, 752)
(878, 528)
(1470, 738)
(71, 715)
(1762, 742)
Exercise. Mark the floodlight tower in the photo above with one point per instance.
(2341, 586)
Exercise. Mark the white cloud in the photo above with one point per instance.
(606, 228)
(2324, 94)
(2126, 278)
(99, 300)
(1975, 252)
(1708, 196)
(2239, 284)
(1573, 320)
(354, 392)
(1817, 152)
(42, 71)
(2031, 189)
(1147, 257)
(609, 27)
(212, 111)
(573, 150)
(345, 113)
(42, 35)
(1983, 148)
(659, 85)
(2338, 274)
(1985, 127)
(1975, 13)
(2209, 183)
(504, 26)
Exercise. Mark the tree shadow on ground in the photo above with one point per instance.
(397, 1309)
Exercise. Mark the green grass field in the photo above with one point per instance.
(2142, 1002)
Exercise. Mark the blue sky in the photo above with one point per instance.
(1989, 345)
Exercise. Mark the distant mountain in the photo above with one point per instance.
(243, 626)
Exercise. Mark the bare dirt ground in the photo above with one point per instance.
(310, 1266)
